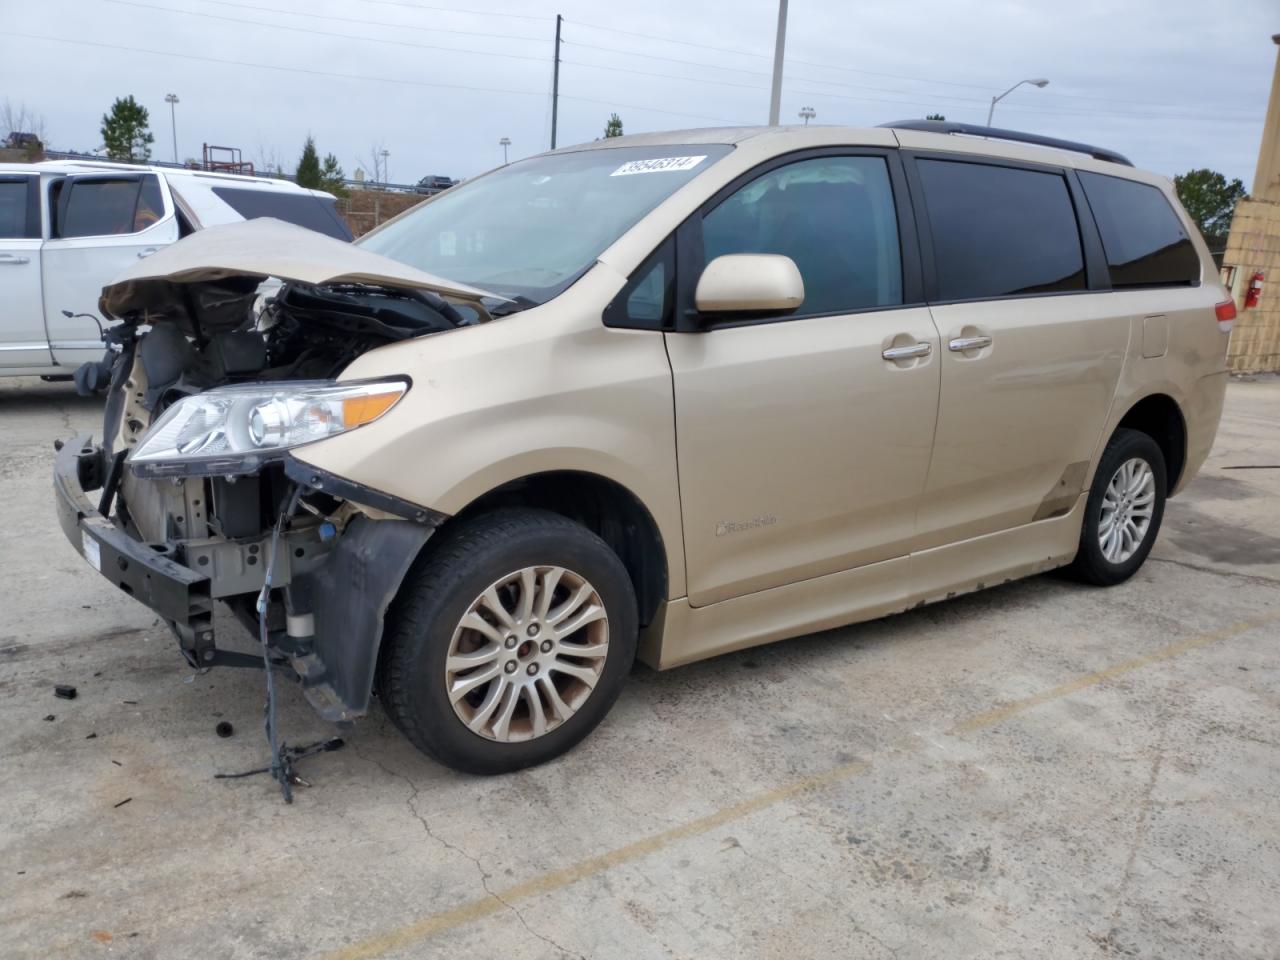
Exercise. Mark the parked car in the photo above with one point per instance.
(67, 228)
(430, 185)
(660, 396)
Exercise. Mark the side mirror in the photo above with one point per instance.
(749, 283)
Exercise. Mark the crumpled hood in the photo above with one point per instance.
(258, 249)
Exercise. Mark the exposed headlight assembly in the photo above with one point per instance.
(236, 429)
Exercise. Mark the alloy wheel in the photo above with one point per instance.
(527, 654)
(1127, 507)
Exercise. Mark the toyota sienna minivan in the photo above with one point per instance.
(655, 397)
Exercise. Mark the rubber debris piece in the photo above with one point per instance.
(64, 691)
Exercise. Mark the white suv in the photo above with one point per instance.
(68, 228)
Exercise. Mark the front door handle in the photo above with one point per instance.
(909, 352)
(960, 344)
(147, 252)
(10, 258)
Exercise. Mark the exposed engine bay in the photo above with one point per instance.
(212, 375)
(230, 528)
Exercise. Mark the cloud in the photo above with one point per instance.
(1159, 81)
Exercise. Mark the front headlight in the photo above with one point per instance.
(235, 430)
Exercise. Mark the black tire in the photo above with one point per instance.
(440, 589)
(1090, 564)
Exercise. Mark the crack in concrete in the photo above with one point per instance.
(734, 842)
(1140, 831)
(411, 803)
(1231, 574)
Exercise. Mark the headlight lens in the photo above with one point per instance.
(235, 430)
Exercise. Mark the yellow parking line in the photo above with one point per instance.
(993, 716)
(559, 879)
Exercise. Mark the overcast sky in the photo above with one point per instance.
(1167, 82)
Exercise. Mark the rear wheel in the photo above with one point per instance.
(509, 643)
(1124, 510)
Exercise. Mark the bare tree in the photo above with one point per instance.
(19, 118)
(373, 164)
(266, 160)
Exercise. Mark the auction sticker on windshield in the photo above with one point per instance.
(658, 165)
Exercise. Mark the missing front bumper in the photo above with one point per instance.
(334, 588)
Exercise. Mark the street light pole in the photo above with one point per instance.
(995, 100)
(775, 96)
(504, 143)
(171, 99)
(386, 175)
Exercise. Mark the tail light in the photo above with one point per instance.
(1226, 314)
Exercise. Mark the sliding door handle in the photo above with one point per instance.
(969, 343)
(909, 352)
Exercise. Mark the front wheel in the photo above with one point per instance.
(509, 643)
(1123, 512)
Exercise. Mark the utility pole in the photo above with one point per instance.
(386, 177)
(555, 83)
(807, 114)
(504, 143)
(775, 98)
(171, 99)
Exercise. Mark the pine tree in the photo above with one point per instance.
(125, 132)
(331, 177)
(308, 172)
(614, 127)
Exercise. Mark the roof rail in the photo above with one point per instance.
(997, 133)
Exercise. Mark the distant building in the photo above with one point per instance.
(1252, 258)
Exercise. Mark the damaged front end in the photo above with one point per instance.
(198, 497)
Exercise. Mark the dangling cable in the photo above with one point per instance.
(281, 762)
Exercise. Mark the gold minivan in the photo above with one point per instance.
(655, 397)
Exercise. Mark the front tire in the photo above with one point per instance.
(509, 643)
(1123, 512)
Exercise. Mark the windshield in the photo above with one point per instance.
(528, 230)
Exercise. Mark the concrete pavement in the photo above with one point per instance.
(1040, 769)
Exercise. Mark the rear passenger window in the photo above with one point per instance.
(108, 207)
(303, 209)
(1143, 238)
(13, 209)
(833, 216)
(1000, 231)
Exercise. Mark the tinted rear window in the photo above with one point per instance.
(13, 209)
(103, 207)
(1142, 236)
(303, 209)
(1000, 231)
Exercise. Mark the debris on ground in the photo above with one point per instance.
(224, 729)
(64, 691)
(50, 717)
(92, 736)
(123, 802)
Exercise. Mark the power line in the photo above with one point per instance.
(927, 99)
(473, 13)
(326, 33)
(363, 21)
(827, 66)
(355, 76)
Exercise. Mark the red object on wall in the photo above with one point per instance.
(1254, 293)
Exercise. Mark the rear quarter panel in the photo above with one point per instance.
(1176, 348)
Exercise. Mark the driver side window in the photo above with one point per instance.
(833, 216)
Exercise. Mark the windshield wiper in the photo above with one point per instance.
(505, 308)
